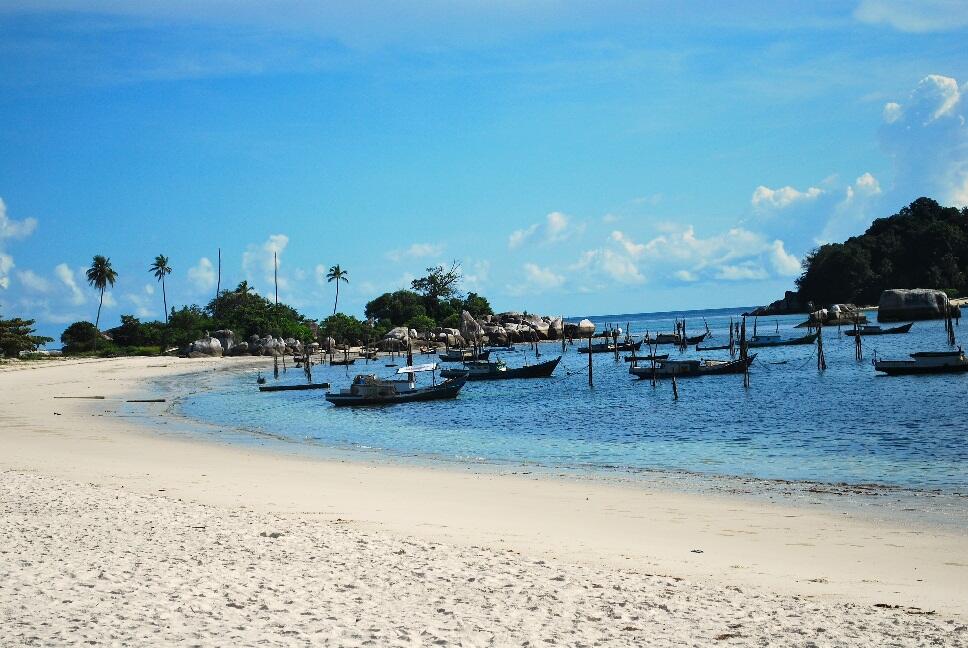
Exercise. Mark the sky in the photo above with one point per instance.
(575, 158)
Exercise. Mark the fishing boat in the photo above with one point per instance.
(721, 347)
(370, 390)
(646, 358)
(463, 355)
(692, 368)
(760, 341)
(303, 387)
(342, 362)
(696, 339)
(663, 338)
(925, 362)
(608, 347)
(483, 370)
(873, 329)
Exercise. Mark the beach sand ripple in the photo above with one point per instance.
(96, 564)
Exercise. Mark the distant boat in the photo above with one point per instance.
(873, 329)
(925, 362)
(304, 387)
(342, 362)
(760, 341)
(674, 338)
(722, 347)
(369, 390)
(463, 355)
(482, 370)
(608, 347)
(692, 368)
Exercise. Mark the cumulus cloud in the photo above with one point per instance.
(927, 138)
(416, 251)
(144, 306)
(685, 275)
(556, 227)
(766, 198)
(537, 279)
(921, 16)
(476, 274)
(745, 272)
(784, 263)
(33, 281)
(202, 275)
(66, 276)
(258, 261)
(11, 229)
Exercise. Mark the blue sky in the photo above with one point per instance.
(576, 158)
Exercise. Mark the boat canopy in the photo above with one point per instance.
(417, 368)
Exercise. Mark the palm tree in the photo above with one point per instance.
(101, 275)
(160, 268)
(337, 274)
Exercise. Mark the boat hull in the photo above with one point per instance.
(806, 339)
(446, 390)
(897, 330)
(483, 355)
(542, 370)
(685, 370)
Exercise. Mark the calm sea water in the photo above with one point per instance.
(843, 425)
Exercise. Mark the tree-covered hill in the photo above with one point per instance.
(924, 245)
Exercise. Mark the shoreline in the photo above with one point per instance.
(774, 548)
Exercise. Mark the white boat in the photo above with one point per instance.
(925, 362)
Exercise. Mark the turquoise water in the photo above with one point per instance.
(843, 425)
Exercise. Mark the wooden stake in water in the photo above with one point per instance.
(821, 360)
(732, 343)
(675, 388)
(858, 348)
(948, 323)
(275, 366)
(590, 383)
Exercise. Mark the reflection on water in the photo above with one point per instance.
(844, 425)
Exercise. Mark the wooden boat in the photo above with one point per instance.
(647, 358)
(482, 370)
(873, 329)
(721, 347)
(342, 362)
(368, 390)
(761, 341)
(925, 362)
(692, 368)
(663, 338)
(463, 355)
(305, 387)
(696, 339)
(608, 347)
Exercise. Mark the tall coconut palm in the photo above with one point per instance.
(160, 268)
(101, 275)
(337, 274)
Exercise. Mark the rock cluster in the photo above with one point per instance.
(900, 305)
(497, 330)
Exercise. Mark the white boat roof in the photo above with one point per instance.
(432, 366)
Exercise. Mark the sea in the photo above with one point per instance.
(846, 425)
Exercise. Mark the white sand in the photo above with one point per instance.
(97, 542)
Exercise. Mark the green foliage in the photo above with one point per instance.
(79, 337)
(420, 323)
(187, 325)
(924, 245)
(397, 308)
(247, 314)
(451, 321)
(347, 329)
(477, 305)
(438, 286)
(17, 335)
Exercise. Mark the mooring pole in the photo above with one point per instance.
(590, 383)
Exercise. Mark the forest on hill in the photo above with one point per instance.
(924, 245)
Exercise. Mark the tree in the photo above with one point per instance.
(396, 308)
(439, 284)
(101, 275)
(79, 337)
(17, 335)
(160, 268)
(345, 329)
(337, 274)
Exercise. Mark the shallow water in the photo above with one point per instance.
(847, 424)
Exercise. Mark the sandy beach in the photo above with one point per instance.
(114, 532)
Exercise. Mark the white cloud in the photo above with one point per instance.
(518, 237)
(927, 138)
(11, 229)
(258, 262)
(149, 289)
(744, 272)
(144, 306)
(557, 227)
(892, 112)
(66, 276)
(33, 281)
(615, 265)
(766, 198)
(685, 275)
(631, 248)
(914, 16)
(784, 263)
(202, 275)
(475, 278)
(610, 218)
(416, 251)
(6, 265)
(536, 280)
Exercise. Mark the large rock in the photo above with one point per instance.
(789, 304)
(583, 329)
(898, 305)
(469, 328)
(207, 346)
(496, 335)
(538, 326)
(556, 328)
(226, 338)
